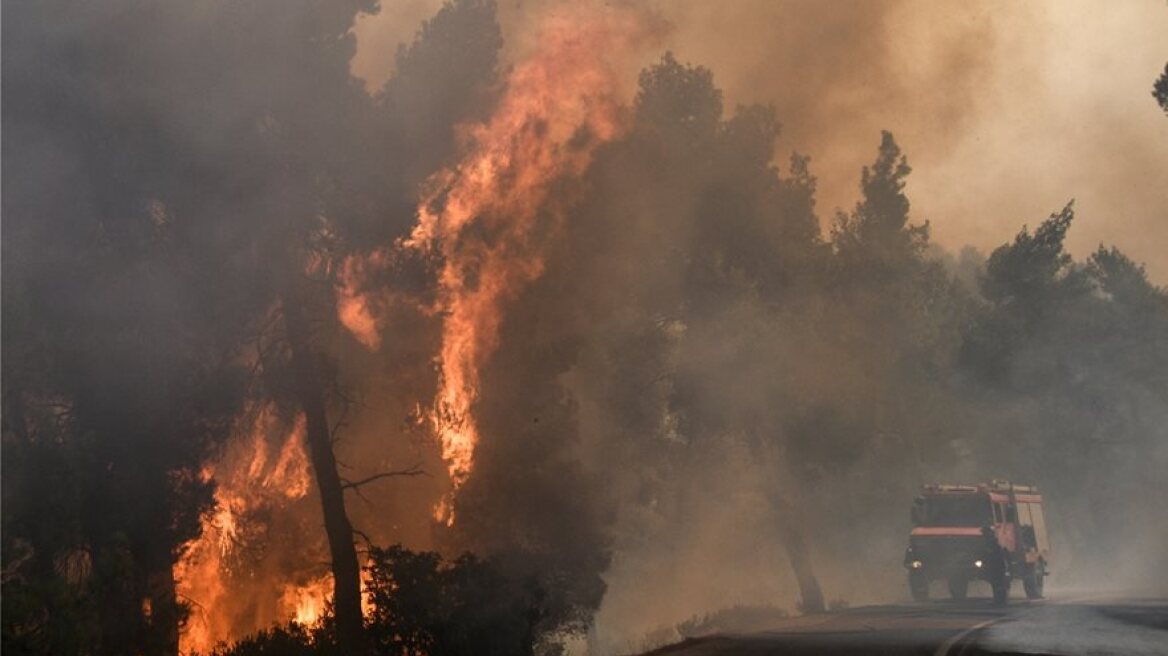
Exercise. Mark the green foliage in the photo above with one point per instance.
(1034, 266)
(679, 100)
(1033, 288)
(1128, 322)
(1122, 280)
(876, 236)
(467, 606)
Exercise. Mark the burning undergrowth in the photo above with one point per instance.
(256, 562)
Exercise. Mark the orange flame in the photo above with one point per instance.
(354, 307)
(248, 479)
(307, 602)
(492, 216)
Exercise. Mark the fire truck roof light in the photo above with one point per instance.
(998, 485)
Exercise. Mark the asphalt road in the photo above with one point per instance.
(1070, 625)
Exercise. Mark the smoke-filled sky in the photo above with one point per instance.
(1063, 86)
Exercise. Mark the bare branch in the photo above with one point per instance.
(367, 500)
(364, 536)
(413, 470)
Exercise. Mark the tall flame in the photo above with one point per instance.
(491, 216)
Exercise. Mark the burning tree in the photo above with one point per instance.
(171, 250)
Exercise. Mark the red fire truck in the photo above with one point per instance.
(992, 532)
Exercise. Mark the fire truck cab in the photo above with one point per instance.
(992, 532)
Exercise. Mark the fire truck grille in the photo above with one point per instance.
(943, 552)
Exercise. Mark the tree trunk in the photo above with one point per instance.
(309, 388)
(792, 534)
(164, 614)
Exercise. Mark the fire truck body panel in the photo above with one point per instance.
(992, 532)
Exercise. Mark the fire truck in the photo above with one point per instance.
(992, 532)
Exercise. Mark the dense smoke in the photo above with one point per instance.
(548, 298)
(958, 85)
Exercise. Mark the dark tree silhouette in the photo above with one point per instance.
(1160, 90)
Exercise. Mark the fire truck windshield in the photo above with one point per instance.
(957, 511)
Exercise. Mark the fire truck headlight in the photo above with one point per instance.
(977, 564)
(916, 564)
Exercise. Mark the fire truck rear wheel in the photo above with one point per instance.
(1033, 582)
(1001, 590)
(919, 585)
(958, 587)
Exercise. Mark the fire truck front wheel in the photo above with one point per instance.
(1001, 586)
(918, 584)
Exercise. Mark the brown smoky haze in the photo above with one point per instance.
(548, 327)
